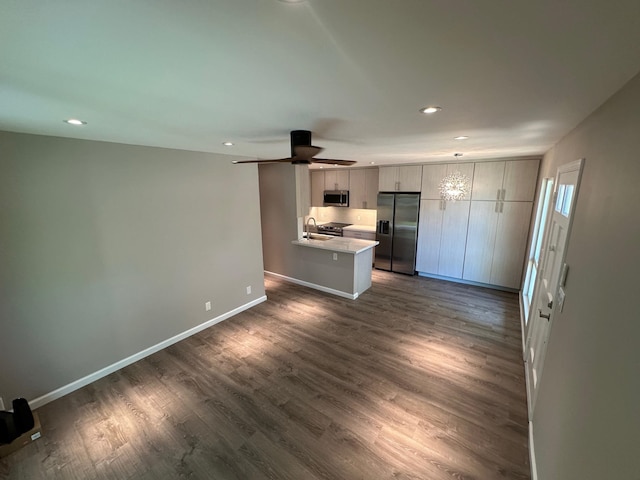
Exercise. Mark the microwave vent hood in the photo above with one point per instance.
(336, 198)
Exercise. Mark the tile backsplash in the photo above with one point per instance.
(355, 216)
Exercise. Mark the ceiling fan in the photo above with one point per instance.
(302, 152)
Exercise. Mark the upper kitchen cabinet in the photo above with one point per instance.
(432, 175)
(303, 190)
(400, 179)
(363, 188)
(336, 179)
(317, 188)
(513, 180)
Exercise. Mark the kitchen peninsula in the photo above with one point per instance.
(337, 265)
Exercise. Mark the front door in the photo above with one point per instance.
(549, 287)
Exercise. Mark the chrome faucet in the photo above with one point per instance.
(307, 226)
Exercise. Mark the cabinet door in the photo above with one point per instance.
(454, 238)
(371, 188)
(303, 190)
(357, 189)
(487, 181)
(317, 188)
(409, 178)
(431, 177)
(387, 179)
(511, 242)
(336, 179)
(520, 178)
(429, 233)
(481, 239)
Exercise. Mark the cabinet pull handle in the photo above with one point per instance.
(444, 205)
(364, 204)
(498, 195)
(504, 193)
(496, 207)
(501, 206)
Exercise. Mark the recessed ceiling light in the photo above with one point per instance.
(461, 137)
(430, 110)
(75, 121)
(228, 144)
(372, 163)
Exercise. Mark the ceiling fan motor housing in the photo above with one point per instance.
(299, 137)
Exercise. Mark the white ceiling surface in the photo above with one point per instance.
(515, 76)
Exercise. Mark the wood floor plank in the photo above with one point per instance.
(416, 379)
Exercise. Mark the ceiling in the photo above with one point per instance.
(514, 76)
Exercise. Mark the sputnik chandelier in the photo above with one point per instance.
(454, 186)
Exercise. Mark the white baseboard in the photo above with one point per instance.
(532, 454)
(332, 291)
(62, 391)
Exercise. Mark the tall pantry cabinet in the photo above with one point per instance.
(442, 227)
(501, 202)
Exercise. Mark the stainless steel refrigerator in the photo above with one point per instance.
(397, 232)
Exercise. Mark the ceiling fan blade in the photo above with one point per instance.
(330, 161)
(275, 160)
(306, 151)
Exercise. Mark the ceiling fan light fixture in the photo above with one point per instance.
(430, 110)
(461, 137)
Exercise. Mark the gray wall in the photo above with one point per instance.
(278, 210)
(587, 419)
(108, 249)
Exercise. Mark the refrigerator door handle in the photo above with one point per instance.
(383, 227)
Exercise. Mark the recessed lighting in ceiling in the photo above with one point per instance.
(430, 110)
(228, 144)
(74, 121)
(372, 163)
(461, 137)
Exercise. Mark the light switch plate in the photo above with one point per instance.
(335, 256)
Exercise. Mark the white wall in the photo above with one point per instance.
(587, 419)
(109, 249)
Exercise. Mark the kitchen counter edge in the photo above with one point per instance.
(338, 244)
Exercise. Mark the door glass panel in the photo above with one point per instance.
(536, 246)
(560, 198)
(566, 203)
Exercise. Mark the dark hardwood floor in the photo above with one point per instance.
(416, 379)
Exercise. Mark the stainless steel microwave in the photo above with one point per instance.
(336, 198)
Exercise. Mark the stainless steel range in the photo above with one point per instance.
(332, 228)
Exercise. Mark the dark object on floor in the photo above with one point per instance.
(12, 425)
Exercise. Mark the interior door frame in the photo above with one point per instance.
(565, 168)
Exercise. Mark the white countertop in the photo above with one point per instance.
(361, 228)
(338, 244)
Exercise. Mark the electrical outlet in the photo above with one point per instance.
(1, 404)
(335, 256)
(207, 306)
(358, 217)
(249, 290)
